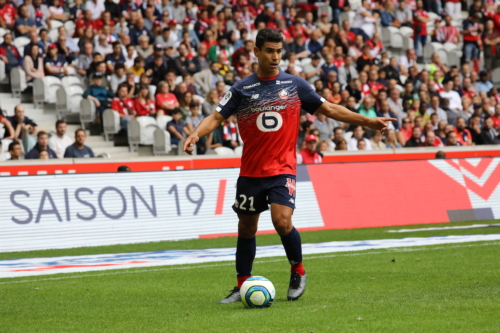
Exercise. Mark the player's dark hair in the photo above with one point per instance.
(268, 35)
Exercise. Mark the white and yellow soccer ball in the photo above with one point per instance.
(257, 292)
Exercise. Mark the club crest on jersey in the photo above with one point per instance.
(283, 94)
(254, 96)
(226, 98)
(290, 184)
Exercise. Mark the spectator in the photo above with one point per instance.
(23, 23)
(391, 141)
(114, 9)
(367, 107)
(102, 46)
(420, 19)
(447, 33)
(309, 154)
(56, 12)
(388, 16)
(117, 77)
(313, 70)
(194, 118)
(452, 96)
(364, 22)
(7, 15)
(55, 63)
(84, 23)
(20, 125)
(144, 49)
(312, 44)
(200, 61)
(138, 68)
(247, 51)
(491, 42)
(453, 7)
(347, 72)
(464, 136)
(207, 79)
(16, 151)
(38, 12)
(164, 39)
(144, 105)
(489, 135)
(183, 65)
(415, 140)
(33, 64)
(210, 103)
(123, 168)
(42, 143)
(324, 126)
(114, 58)
(470, 32)
(165, 100)
(97, 93)
(376, 141)
(100, 68)
(96, 7)
(364, 61)
(33, 36)
(139, 30)
(357, 135)
(78, 149)
(9, 53)
(85, 59)
(124, 105)
(407, 61)
(341, 145)
(130, 56)
(431, 140)
(66, 46)
(451, 139)
(434, 108)
(403, 14)
(475, 129)
(484, 85)
(176, 127)
(221, 47)
(385, 111)
(496, 117)
(60, 141)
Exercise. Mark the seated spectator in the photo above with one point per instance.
(117, 77)
(364, 61)
(42, 143)
(124, 106)
(165, 100)
(54, 63)
(66, 45)
(404, 14)
(15, 151)
(376, 46)
(38, 12)
(76, 11)
(376, 141)
(9, 53)
(391, 141)
(361, 145)
(85, 59)
(431, 140)
(434, 108)
(56, 11)
(415, 140)
(341, 144)
(357, 135)
(156, 70)
(367, 108)
(140, 30)
(78, 149)
(8, 14)
(130, 56)
(355, 50)
(407, 61)
(364, 22)
(298, 47)
(164, 39)
(138, 68)
(114, 58)
(207, 79)
(23, 24)
(309, 154)
(388, 16)
(97, 93)
(385, 111)
(84, 23)
(144, 105)
(144, 49)
(100, 68)
(347, 72)
(60, 141)
(447, 33)
(9, 130)
(33, 36)
(230, 133)
(20, 125)
(324, 126)
(176, 127)
(102, 46)
(33, 64)
(194, 118)
(489, 135)
(451, 139)
(210, 103)
(312, 70)
(88, 37)
(484, 85)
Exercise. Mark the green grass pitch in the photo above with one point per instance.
(445, 288)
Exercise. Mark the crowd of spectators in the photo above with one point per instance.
(179, 57)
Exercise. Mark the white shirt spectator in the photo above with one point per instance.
(59, 145)
(454, 98)
(440, 112)
(95, 8)
(353, 144)
(406, 63)
(103, 50)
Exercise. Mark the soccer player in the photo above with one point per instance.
(267, 105)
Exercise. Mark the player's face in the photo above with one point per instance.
(269, 55)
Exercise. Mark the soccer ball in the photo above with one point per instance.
(257, 292)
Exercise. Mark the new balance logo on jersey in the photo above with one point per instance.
(283, 94)
(290, 184)
(292, 201)
(255, 96)
(283, 82)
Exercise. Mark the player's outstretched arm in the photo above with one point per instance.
(341, 113)
(207, 126)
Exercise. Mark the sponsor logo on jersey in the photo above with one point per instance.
(283, 82)
(252, 85)
(226, 98)
(290, 184)
(269, 108)
(254, 96)
(283, 94)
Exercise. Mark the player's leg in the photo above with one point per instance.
(290, 238)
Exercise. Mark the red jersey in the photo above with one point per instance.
(170, 99)
(496, 121)
(8, 14)
(310, 156)
(144, 108)
(268, 112)
(82, 24)
(419, 28)
(464, 137)
(100, 23)
(338, 62)
(122, 105)
(375, 86)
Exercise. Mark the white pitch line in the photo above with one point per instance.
(473, 226)
(192, 266)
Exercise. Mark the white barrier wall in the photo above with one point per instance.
(63, 211)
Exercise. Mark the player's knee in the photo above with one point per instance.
(246, 230)
(282, 224)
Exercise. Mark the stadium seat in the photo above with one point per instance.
(325, 8)
(348, 136)
(406, 31)
(88, 113)
(178, 80)
(56, 24)
(386, 34)
(3, 75)
(53, 35)
(74, 94)
(162, 121)
(110, 123)
(152, 91)
(51, 84)
(38, 93)
(495, 76)
(3, 31)
(141, 132)
(200, 99)
(161, 143)
(62, 107)
(305, 61)
(408, 43)
(69, 81)
(396, 43)
(20, 43)
(4, 156)
(238, 151)
(224, 151)
(70, 27)
(17, 82)
(347, 16)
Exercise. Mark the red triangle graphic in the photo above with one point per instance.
(476, 170)
(489, 186)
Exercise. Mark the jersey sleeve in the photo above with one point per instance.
(229, 104)
(310, 100)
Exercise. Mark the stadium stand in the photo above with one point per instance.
(431, 66)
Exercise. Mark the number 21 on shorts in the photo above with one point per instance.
(244, 201)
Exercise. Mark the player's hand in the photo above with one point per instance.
(380, 123)
(190, 143)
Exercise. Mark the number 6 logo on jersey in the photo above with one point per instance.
(269, 121)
